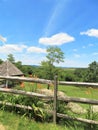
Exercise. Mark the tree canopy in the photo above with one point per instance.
(54, 55)
(11, 58)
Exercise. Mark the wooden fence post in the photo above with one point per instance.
(55, 99)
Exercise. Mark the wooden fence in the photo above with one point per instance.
(54, 98)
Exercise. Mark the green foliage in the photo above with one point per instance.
(19, 65)
(89, 74)
(92, 72)
(80, 74)
(36, 105)
(79, 91)
(48, 69)
(91, 116)
(11, 58)
(1, 61)
(54, 55)
(11, 121)
(39, 114)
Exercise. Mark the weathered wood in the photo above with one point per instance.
(20, 92)
(16, 105)
(79, 100)
(44, 81)
(55, 100)
(65, 99)
(65, 116)
(77, 119)
(78, 83)
(35, 80)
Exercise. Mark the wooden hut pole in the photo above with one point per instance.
(55, 100)
(7, 74)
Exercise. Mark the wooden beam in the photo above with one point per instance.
(65, 99)
(65, 116)
(44, 81)
(77, 119)
(79, 100)
(35, 80)
(78, 84)
(15, 105)
(55, 100)
(29, 94)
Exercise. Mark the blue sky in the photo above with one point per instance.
(28, 27)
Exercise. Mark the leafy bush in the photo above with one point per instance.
(34, 103)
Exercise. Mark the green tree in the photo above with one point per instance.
(48, 70)
(1, 61)
(80, 74)
(92, 72)
(11, 58)
(19, 65)
(54, 55)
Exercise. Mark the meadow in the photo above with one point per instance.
(11, 120)
(72, 91)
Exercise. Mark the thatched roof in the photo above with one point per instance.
(9, 69)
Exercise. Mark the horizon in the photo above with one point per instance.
(27, 28)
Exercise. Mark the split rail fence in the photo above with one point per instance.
(54, 98)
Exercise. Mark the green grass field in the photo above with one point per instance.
(73, 91)
(10, 121)
(82, 92)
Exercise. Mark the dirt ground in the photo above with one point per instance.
(2, 127)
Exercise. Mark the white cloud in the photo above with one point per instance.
(57, 39)
(74, 50)
(91, 45)
(9, 48)
(29, 59)
(83, 47)
(73, 63)
(36, 50)
(55, 14)
(91, 33)
(3, 39)
(19, 48)
(76, 55)
(95, 53)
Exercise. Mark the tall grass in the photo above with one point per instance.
(79, 91)
(73, 91)
(15, 122)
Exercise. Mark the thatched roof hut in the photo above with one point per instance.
(9, 69)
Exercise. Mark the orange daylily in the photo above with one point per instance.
(22, 84)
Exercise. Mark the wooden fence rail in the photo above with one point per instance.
(44, 81)
(86, 84)
(54, 98)
(64, 116)
(29, 94)
(42, 96)
(35, 80)
(79, 100)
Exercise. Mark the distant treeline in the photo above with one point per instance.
(89, 74)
